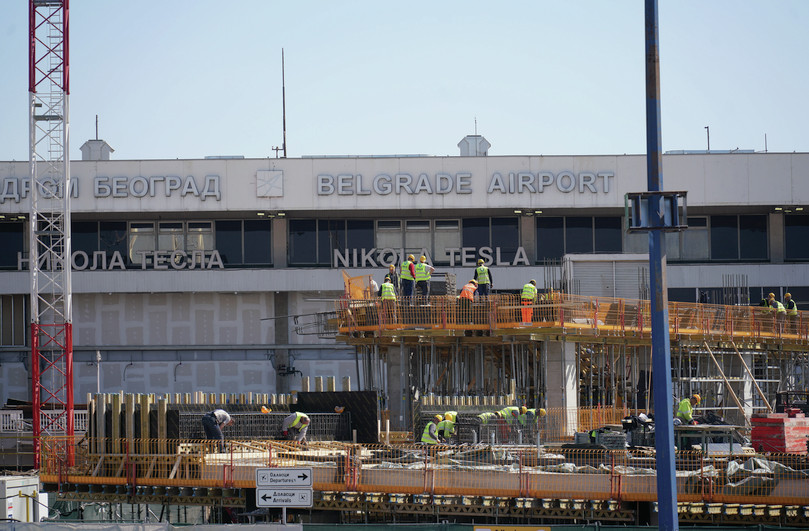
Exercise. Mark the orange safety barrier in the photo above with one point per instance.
(503, 471)
(590, 316)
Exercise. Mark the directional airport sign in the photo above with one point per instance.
(283, 497)
(284, 477)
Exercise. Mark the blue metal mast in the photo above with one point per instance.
(661, 357)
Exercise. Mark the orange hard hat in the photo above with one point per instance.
(696, 397)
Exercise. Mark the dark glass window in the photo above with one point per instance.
(359, 234)
(608, 235)
(550, 238)
(257, 242)
(112, 237)
(475, 232)
(229, 241)
(682, 295)
(578, 235)
(11, 240)
(724, 238)
(796, 234)
(84, 237)
(302, 241)
(331, 235)
(753, 237)
(506, 236)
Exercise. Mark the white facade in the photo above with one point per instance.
(165, 327)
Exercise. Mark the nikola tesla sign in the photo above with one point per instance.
(520, 182)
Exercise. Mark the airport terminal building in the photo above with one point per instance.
(211, 274)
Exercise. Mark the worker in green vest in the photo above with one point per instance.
(446, 427)
(780, 314)
(488, 419)
(387, 292)
(407, 275)
(527, 297)
(484, 278)
(424, 272)
(430, 434)
(686, 409)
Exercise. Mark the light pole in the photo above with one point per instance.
(708, 131)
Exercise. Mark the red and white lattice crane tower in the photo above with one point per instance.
(50, 249)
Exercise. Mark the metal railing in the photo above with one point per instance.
(512, 472)
(597, 316)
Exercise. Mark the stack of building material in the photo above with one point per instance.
(780, 432)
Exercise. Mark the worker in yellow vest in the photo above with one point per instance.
(484, 278)
(685, 410)
(424, 272)
(387, 292)
(430, 434)
(527, 297)
(780, 314)
(407, 274)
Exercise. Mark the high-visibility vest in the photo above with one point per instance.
(298, 417)
(779, 307)
(388, 292)
(446, 428)
(685, 409)
(792, 308)
(529, 292)
(483, 275)
(422, 272)
(426, 437)
(767, 308)
(405, 270)
(468, 291)
(507, 416)
(487, 417)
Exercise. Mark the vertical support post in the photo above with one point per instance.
(661, 358)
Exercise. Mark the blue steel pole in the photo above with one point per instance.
(661, 356)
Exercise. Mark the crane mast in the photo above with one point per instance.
(49, 224)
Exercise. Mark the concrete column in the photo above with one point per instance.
(279, 243)
(397, 379)
(563, 383)
(528, 237)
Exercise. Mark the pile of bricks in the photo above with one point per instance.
(780, 432)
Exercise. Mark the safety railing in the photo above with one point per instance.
(598, 316)
(525, 471)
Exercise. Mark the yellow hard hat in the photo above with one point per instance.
(473, 281)
(696, 397)
(532, 281)
(438, 418)
(392, 267)
(423, 258)
(771, 296)
(411, 257)
(787, 295)
(542, 412)
(448, 416)
(480, 261)
(265, 409)
(523, 409)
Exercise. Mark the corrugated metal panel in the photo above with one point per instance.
(607, 278)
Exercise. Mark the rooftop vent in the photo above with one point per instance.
(474, 146)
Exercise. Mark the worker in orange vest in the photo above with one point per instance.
(465, 302)
(528, 296)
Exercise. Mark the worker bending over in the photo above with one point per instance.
(295, 427)
(686, 409)
(430, 434)
(213, 422)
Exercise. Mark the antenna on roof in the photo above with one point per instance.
(96, 127)
(476, 125)
(283, 111)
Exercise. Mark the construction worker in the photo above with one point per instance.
(686, 409)
(780, 313)
(484, 278)
(424, 272)
(387, 292)
(408, 277)
(528, 296)
(529, 423)
(488, 418)
(792, 313)
(465, 301)
(430, 434)
(446, 427)
(394, 277)
(213, 422)
(295, 427)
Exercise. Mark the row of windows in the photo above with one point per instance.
(313, 242)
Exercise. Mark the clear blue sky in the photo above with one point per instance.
(187, 79)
